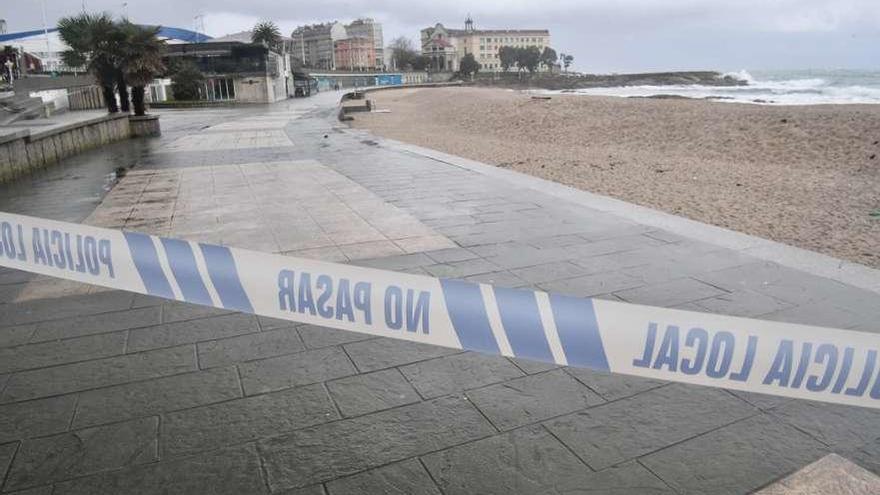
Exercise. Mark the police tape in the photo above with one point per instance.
(782, 359)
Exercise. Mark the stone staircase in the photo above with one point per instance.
(15, 106)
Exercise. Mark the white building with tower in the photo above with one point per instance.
(446, 47)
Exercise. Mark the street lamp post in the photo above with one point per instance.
(46, 33)
(302, 45)
(9, 65)
(199, 26)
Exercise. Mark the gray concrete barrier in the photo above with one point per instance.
(23, 151)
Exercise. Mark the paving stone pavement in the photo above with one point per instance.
(111, 392)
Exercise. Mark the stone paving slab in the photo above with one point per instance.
(207, 427)
(108, 392)
(531, 460)
(326, 452)
(82, 452)
(405, 477)
(234, 139)
(144, 398)
(230, 471)
(740, 458)
(830, 474)
(301, 208)
(620, 431)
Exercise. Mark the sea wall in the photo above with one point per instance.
(23, 151)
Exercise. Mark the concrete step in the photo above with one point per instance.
(21, 106)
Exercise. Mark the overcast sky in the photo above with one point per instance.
(603, 35)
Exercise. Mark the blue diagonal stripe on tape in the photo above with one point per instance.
(224, 276)
(579, 332)
(468, 314)
(522, 323)
(186, 272)
(146, 260)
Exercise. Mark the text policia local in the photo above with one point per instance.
(343, 300)
(57, 249)
(809, 366)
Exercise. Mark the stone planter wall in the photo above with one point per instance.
(23, 151)
(146, 125)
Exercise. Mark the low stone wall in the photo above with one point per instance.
(144, 125)
(344, 108)
(23, 151)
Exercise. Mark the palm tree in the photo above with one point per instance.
(94, 44)
(142, 60)
(267, 33)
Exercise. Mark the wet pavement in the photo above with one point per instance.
(110, 392)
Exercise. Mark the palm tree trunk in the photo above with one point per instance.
(123, 93)
(110, 98)
(137, 99)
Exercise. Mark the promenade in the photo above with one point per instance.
(111, 392)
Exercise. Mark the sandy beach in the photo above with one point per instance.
(807, 176)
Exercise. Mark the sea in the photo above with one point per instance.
(772, 87)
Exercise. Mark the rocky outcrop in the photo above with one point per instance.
(580, 81)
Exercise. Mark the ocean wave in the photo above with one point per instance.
(741, 75)
(795, 88)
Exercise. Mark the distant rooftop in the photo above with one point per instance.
(324, 26)
(170, 33)
(242, 36)
(491, 32)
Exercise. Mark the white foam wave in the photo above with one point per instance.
(792, 91)
(742, 75)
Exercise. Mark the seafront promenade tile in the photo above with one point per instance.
(402, 477)
(831, 473)
(739, 458)
(234, 139)
(294, 370)
(68, 455)
(377, 354)
(211, 426)
(36, 418)
(523, 401)
(268, 343)
(325, 452)
(620, 431)
(371, 392)
(56, 352)
(111, 392)
(531, 460)
(613, 387)
(45, 382)
(187, 332)
(150, 397)
(231, 471)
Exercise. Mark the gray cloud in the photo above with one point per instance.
(603, 35)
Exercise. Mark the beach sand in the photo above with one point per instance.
(800, 175)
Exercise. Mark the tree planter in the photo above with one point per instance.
(145, 125)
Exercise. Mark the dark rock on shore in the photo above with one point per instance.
(580, 81)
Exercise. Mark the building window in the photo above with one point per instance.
(217, 89)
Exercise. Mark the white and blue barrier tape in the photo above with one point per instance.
(783, 359)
